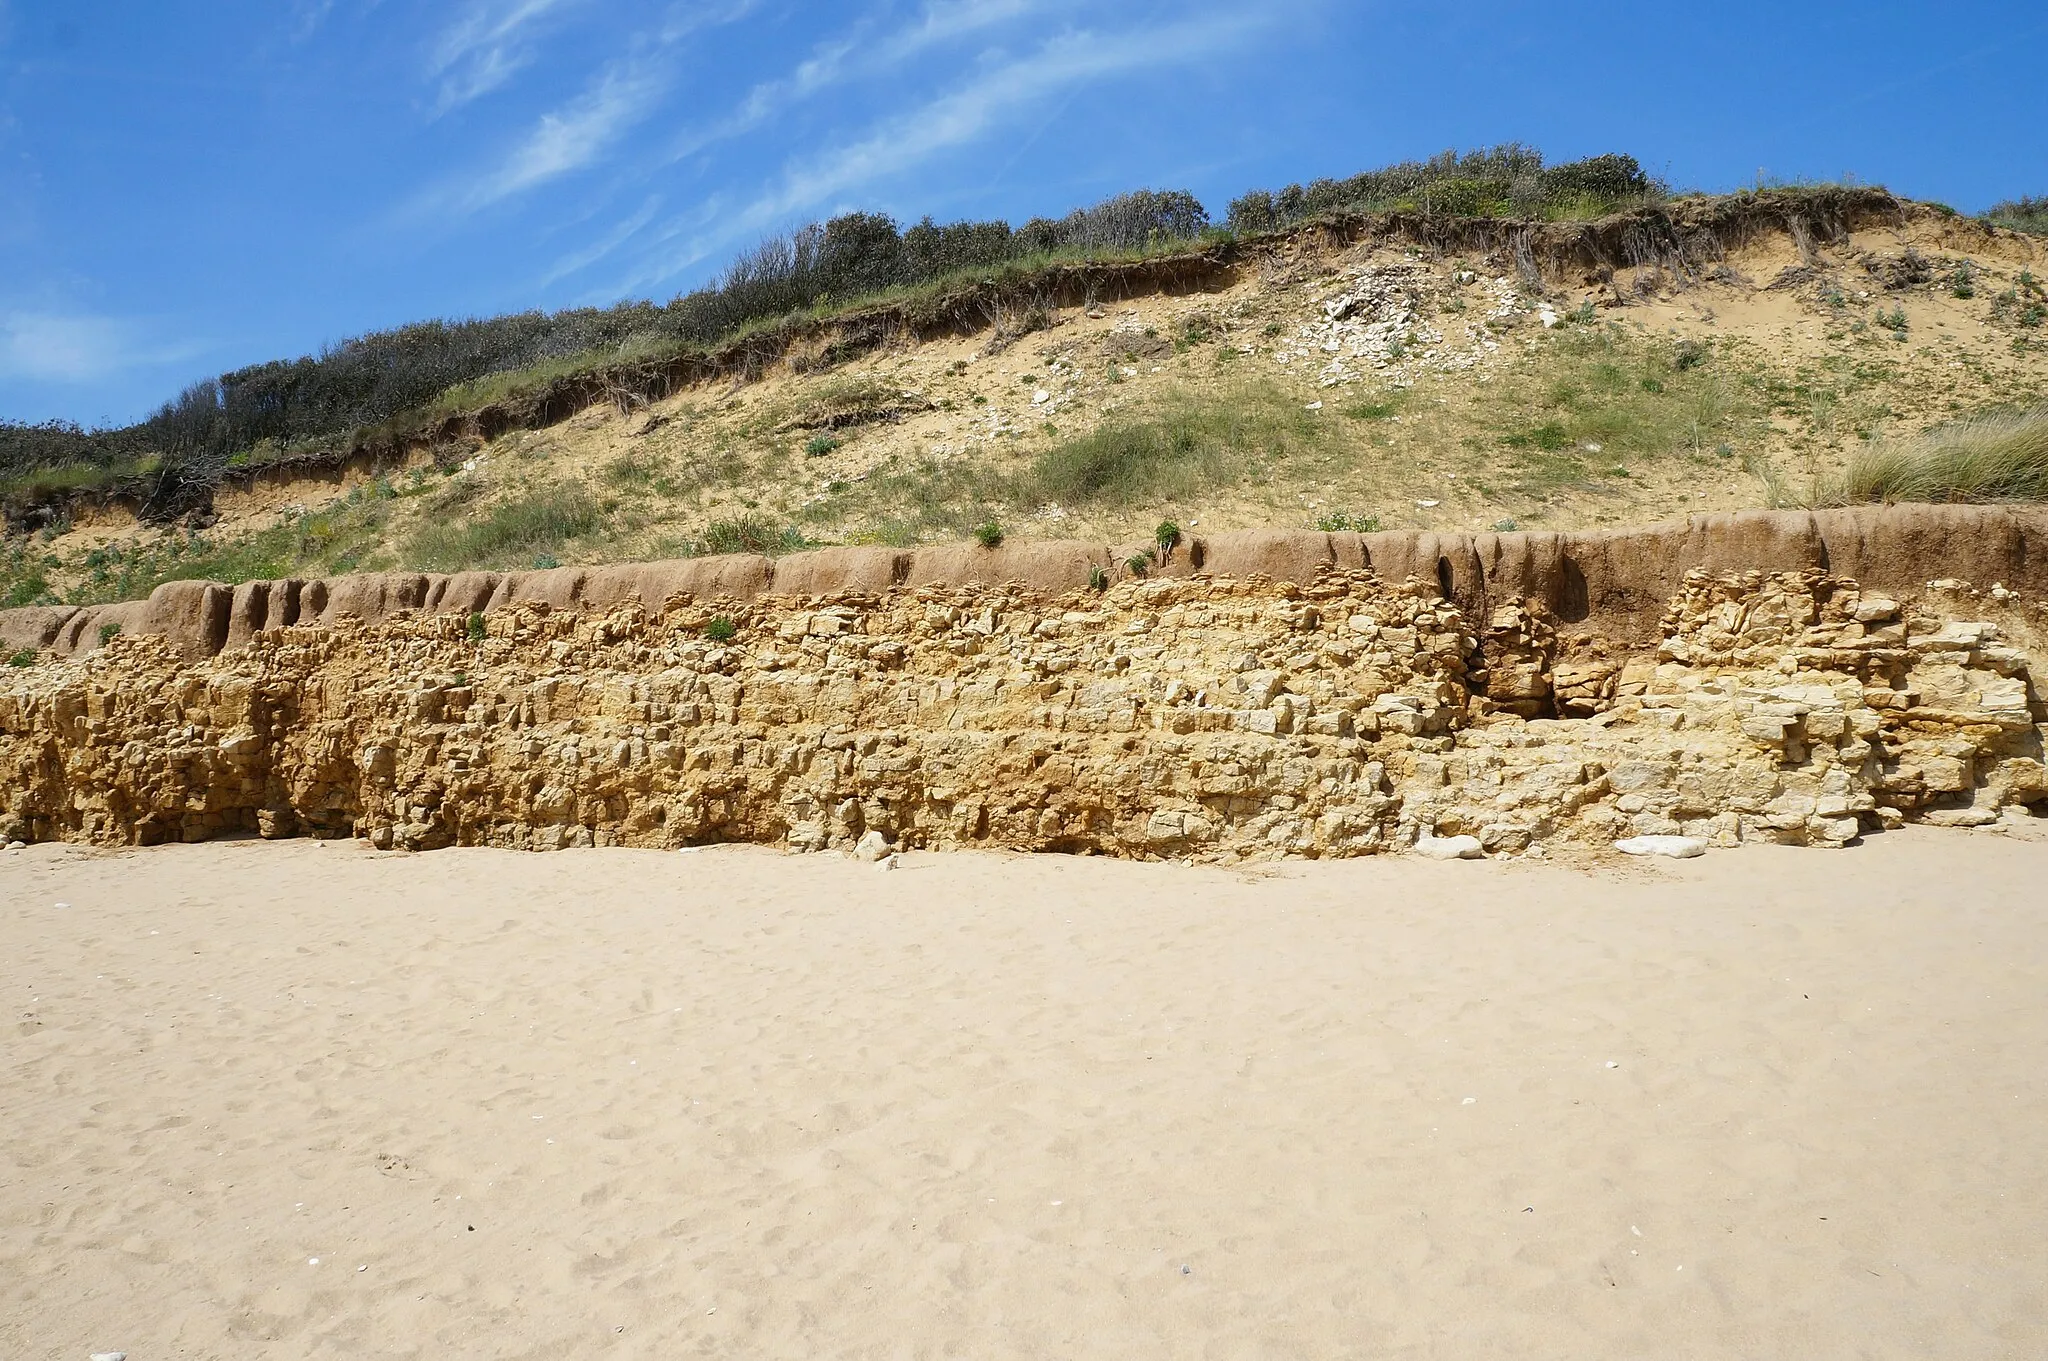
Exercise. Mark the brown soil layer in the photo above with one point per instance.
(1600, 585)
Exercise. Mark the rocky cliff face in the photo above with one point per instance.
(1208, 716)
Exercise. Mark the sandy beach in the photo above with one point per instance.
(304, 1099)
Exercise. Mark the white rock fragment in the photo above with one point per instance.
(1677, 847)
(871, 847)
(1040, 397)
(1427, 505)
(109, 1356)
(1450, 848)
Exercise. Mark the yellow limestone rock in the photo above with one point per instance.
(1206, 717)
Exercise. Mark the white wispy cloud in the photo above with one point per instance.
(80, 347)
(996, 97)
(856, 57)
(622, 232)
(571, 137)
(489, 44)
(623, 93)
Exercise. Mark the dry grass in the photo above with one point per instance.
(2001, 456)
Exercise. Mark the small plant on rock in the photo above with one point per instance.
(25, 657)
(817, 446)
(476, 628)
(109, 631)
(989, 533)
(1098, 580)
(1339, 521)
(720, 628)
(1168, 538)
(1139, 563)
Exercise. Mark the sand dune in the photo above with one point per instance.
(619, 1103)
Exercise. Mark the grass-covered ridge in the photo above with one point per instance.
(404, 378)
(1507, 181)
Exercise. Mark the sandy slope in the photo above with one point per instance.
(732, 1103)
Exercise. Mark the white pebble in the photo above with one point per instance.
(62, 906)
(1677, 847)
(312, 1261)
(1612, 1064)
(1468, 1100)
(110, 1356)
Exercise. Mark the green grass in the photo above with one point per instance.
(1597, 402)
(1995, 457)
(748, 533)
(40, 483)
(510, 534)
(1185, 446)
(344, 537)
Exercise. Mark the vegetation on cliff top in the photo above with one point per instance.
(374, 382)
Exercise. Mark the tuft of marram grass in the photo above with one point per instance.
(2002, 456)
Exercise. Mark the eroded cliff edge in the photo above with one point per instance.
(1608, 586)
(1316, 711)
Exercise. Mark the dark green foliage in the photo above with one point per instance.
(720, 628)
(1509, 180)
(819, 445)
(475, 628)
(1098, 580)
(1167, 536)
(25, 657)
(989, 534)
(109, 631)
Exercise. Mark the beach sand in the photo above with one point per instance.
(730, 1103)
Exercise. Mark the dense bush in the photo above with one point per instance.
(2021, 214)
(1502, 181)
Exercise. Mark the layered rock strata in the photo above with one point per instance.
(1206, 716)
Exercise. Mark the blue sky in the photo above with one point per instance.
(187, 186)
